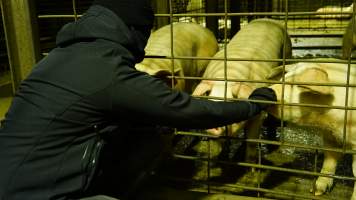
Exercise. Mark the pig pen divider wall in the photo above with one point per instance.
(291, 180)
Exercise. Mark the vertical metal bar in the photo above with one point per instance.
(315, 169)
(284, 65)
(212, 22)
(171, 41)
(75, 10)
(161, 7)
(225, 51)
(209, 164)
(22, 40)
(353, 28)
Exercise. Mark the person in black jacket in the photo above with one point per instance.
(51, 137)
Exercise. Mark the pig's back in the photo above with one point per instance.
(261, 39)
(186, 36)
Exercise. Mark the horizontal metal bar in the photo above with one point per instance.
(310, 34)
(301, 146)
(264, 81)
(196, 134)
(221, 14)
(58, 16)
(6, 83)
(271, 142)
(288, 60)
(223, 187)
(284, 104)
(230, 14)
(309, 60)
(317, 47)
(260, 166)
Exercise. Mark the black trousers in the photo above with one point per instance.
(127, 162)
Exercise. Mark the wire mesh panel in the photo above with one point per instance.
(290, 147)
(290, 162)
(52, 15)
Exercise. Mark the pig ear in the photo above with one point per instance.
(202, 88)
(146, 68)
(317, 75)
(240, 90)
(154, 70)
(277, 72)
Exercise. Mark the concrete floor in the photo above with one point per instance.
(230, 179)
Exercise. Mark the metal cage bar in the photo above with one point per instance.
(21, 37)
(283, 10)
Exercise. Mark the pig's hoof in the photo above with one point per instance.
(322, 185)
(353, 196)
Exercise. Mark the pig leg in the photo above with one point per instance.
(253, 128)
(323, 184)
(253, 177)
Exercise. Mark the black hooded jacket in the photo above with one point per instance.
(49, 137)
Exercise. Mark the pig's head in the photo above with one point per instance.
(302, 94)
(217, 89)
(160, 68)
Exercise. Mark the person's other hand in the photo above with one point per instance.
(263, 93)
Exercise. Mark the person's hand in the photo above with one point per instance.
(263, 93)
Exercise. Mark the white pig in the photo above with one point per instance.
(331, 121)
(260, 39)
(335, 9)
(189, 39)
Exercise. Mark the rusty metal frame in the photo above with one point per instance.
(20, 27)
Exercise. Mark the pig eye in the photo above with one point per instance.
(207, 93)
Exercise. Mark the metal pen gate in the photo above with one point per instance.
(289, 163)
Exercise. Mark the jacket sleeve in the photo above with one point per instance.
(145, 99)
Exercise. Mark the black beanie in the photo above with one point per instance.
(137, 13)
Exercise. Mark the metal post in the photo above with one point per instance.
(22, 40)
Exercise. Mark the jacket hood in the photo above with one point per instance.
(100, 23)
(132, 12)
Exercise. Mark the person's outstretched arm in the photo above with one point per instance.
(148, 100)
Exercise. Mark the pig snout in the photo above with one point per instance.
(215, 131)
